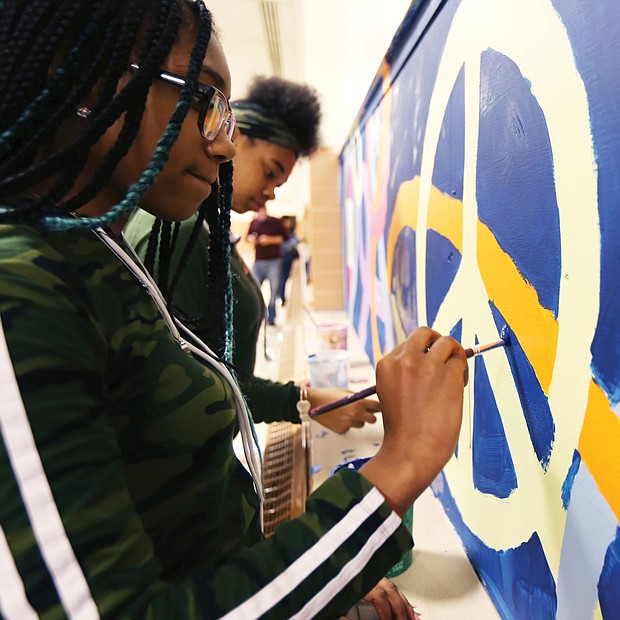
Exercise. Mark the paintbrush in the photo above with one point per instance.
(369, 391)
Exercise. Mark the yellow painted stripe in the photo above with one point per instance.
(445, 216)
(517, 300)
(599, 446)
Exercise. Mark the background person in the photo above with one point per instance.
(289, 254)
(268, 233)
(277, 123)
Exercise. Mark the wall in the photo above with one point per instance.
(325, 232)
(480, 188)
(344, 42)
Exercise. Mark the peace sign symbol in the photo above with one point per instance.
(488, 286)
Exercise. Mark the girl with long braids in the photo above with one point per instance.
(120, 493)
(277, 124)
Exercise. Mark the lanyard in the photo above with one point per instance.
(198, 348)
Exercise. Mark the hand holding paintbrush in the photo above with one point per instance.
(420, 385)
(369, 391)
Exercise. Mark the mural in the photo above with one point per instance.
(480, 188)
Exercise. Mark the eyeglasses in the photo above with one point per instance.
(215, 111)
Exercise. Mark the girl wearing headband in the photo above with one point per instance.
(277, 123)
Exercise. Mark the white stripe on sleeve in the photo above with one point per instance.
(326, 546)
(13, 602)
(349, 570)
(45, 520)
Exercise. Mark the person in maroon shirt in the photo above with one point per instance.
(267, 233)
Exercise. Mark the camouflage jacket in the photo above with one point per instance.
(269, 401)
(120, 494)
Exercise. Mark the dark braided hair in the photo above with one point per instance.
(52, 54)
(215, 210)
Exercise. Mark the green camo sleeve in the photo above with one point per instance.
(120, 493)
(271, 401)
(315, 566)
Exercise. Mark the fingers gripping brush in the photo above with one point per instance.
(503, 341)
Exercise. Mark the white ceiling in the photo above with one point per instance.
(336, 46)
(242, 27)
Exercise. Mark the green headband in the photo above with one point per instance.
(255, 121)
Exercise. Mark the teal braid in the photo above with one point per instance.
(226, 175)
(162, 151)
(225, 203)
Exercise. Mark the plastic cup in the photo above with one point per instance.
(329, 368)
(405, 562)
(333, 335)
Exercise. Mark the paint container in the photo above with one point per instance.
(405, 562)
(333, 335)
(329, 368)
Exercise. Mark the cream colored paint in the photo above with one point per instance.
(530, 33)
(598, 614)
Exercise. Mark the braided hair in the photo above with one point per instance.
(215, 211)
(52, 54)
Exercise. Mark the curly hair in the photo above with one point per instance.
(296, 105)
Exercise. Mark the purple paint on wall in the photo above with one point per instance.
(403, 280)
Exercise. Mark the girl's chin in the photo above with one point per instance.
(197, 189)
(175, 210)
(245, 206)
